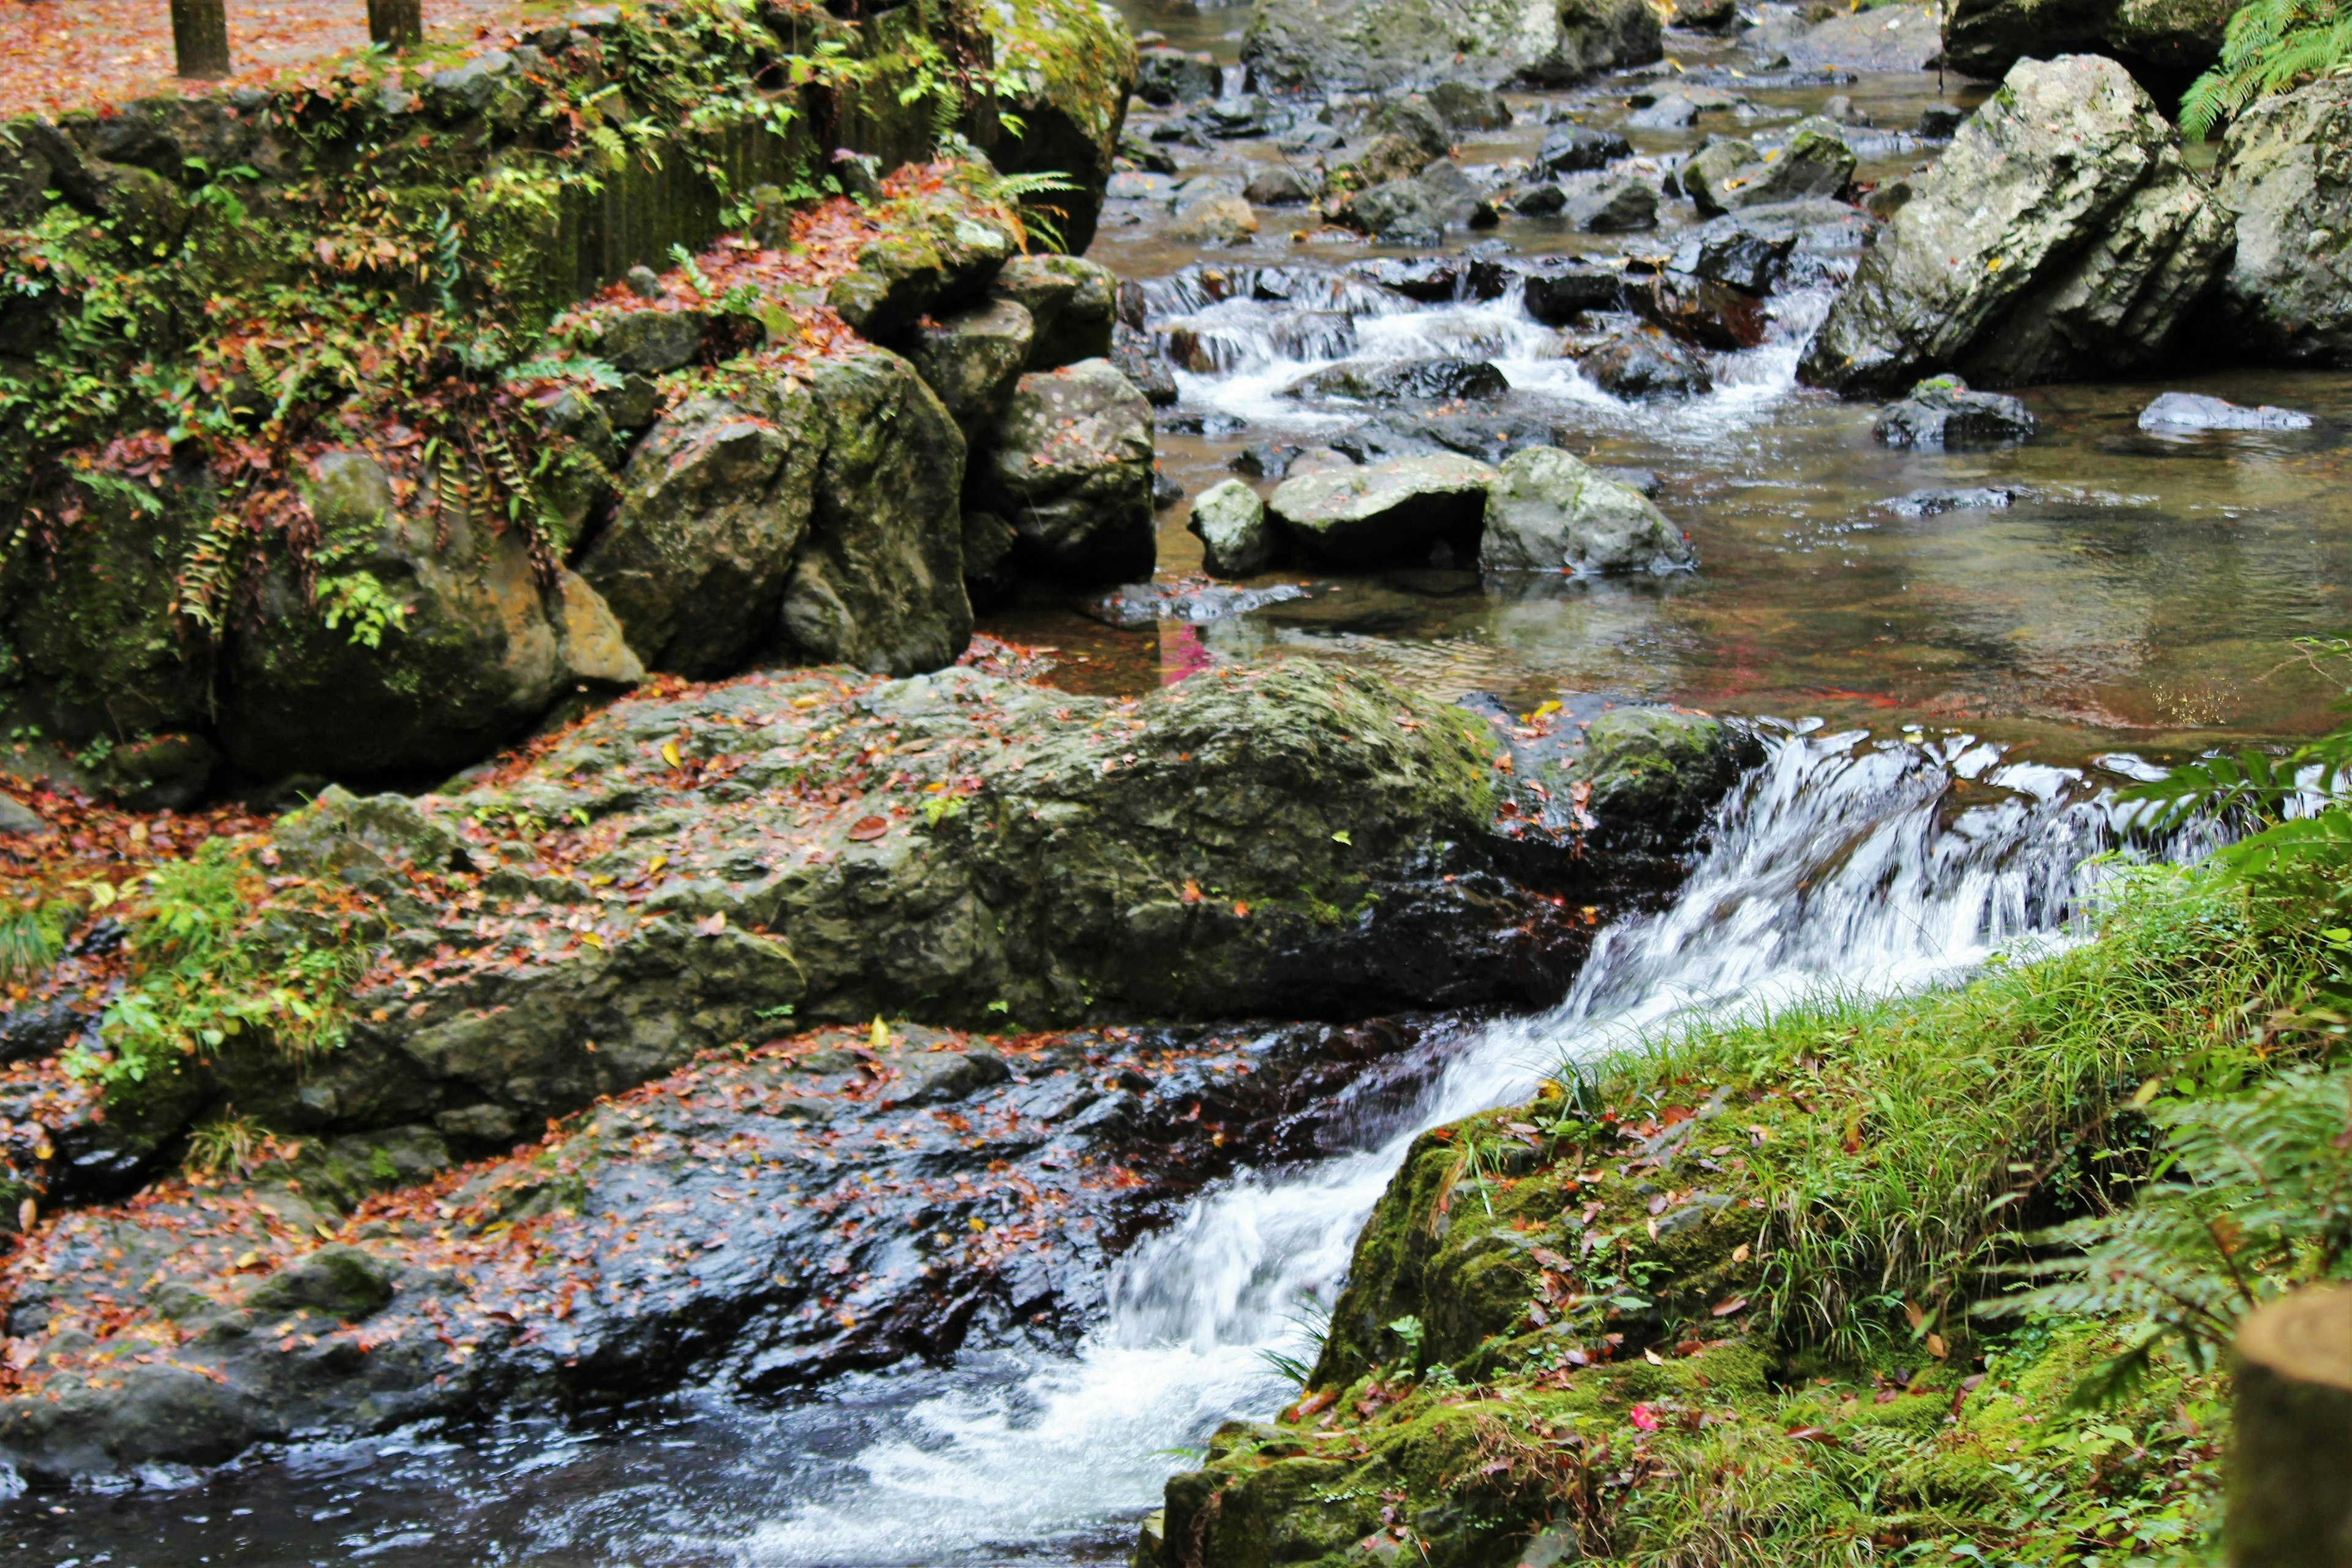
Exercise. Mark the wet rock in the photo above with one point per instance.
(971, 358)
(1655, 773)
(1571, 149)
(1701, 311)
(1356, 45)
(651, 342)
(2061, 235)
(1705, 16)
(2287, 295)
(2194, 411)
(877, 582)
(1435, 280)
(338, 1281)
(1165, 75)
(1937, 502)
(1282, 186)
(1644, 363)
(1668, 112)
(990, 576)
(2164, 43)
(1393, 512)
(1539, 201)
(1420, 210)
(1737, 257)
(1549, 512)
(1942, 414)
(1466, 106)
(1073, 303)
(713, 506)
(1816, 164)
(1267, 460)
(1069, 465)
(1235, 539)
(1886, 38)
(1216, 220)
(1136, 357)
(1556, 291)
(1430, 379)
(1811, 242)
(1938, 122)
(1417, 120)
(1142, 605)
(1394, 156)
(1704, 171)
(1888, 199)
(946, 259)
(1622, 206)
(473, 656)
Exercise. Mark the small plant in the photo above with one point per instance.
(226, 1142)
(28, 946)
(2271, 47)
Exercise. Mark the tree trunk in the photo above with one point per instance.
(200, 36)
(2291, 1460)
(396, 24)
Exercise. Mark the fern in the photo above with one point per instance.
(2264, 1205)
(2271, 47)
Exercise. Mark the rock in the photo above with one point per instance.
(1230, 518)
(989, 577)
(1282, 186)
(1934, 502)
(1318, 460)
(713, 506)
(1386, 513)
(1416, 119)
(1780, 245)
(2164, 43)
(1539, 201)
(1888, 199)
(1941, 414)
(1390, 157)
(1267, 460)
(944, 257)
(1670, 111)
(1816, 164)
(464, 650)
(1556, 291)
(1738, 257)
(877, 582)
(1141, 604)
(1938, 122)
(1070, 467)
(1656, 773)
(1466, 106)
(1073, 302)
(1356, 45)
(1420, 210)
(340, 1281)
(1701, 311)
(1435, 280)
(1429, 378)
(1705, 16)
(972, 357)
(1549, 512)
(1136, 358)
(1216, 220)
(1644, 363)
(19, 820)
(1571, 149)
(1704, 172)
(1165, 76)
(168, 772)
(2193, 411)
(2061, 235)
(1886, 38)
(1069, 68)
(1620, 207)
(2287, 294)
(651, 342)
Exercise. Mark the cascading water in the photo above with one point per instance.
(1843, 863)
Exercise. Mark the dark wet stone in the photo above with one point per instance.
(1432, 379)
(1138, 359)
(1568, 148)
(1936, 502)
(1942, 413)
(1270, 460)
(1539, 201)
(1436, 279)
(1282, 186)
(1700, 309)
(1554, 291)
(1644, 363)
(1166, 76)
(1670, 112)
(1938, 121)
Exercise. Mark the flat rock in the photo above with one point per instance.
(2195, 411)
(1550, 512)
(1386, 513)
(1943, 414)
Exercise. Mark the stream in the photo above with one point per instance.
(1946, 695)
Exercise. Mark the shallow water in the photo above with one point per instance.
(2134, 595)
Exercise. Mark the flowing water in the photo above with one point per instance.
(2131, 597)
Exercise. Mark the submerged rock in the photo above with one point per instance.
(2061, 235)
(1570, 149)
(1069, 465)
(1549, 512)
(2287, 295)
(1424, 379)
(1355, 45)
(1386, 513)
(1942, 414)
(1140, 605)
(1230, 519)
(1644, 363)
(1936, 502)
(2194, 411)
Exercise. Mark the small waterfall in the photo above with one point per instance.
(1847, 862)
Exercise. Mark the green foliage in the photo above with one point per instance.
(29, 945)
(2263, 1204)
(217, 955)
(226, 1142)
(2270, 47)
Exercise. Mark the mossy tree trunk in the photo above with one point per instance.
(2291, 1462)
(396, 24)
(200, 36)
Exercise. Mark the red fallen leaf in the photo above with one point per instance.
(1240, 911)
(1313, 1404)
(1810, 1435)
(1644, 1417)
(1723, 1309)
(867, 828)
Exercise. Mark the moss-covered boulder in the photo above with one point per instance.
(1381, 43)
(2287, 294)
(1070, 66)
(1069, 465)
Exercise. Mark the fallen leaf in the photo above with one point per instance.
(1240, 911)
(713, 926)
(1937, 1348)
(1723, 1309)
(669, 754)
(879, 1036)
(867, 828)
(1643, 1417)
(27, 1213)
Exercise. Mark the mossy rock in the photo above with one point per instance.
(1074, 63)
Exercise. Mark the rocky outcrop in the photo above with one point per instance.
(2164, 43)
(1386, 513)
(1069, 466)
(1066, 68)
(1380, 44)
(414, 653)
(1549, 512)
(2061, 235)
(2285, 178)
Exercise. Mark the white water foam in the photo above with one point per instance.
(1842, 864)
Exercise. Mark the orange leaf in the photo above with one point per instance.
(867, 828)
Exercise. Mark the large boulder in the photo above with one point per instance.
(1069, 465)
(2286, 174)
(877, 582)
(1386, 513)
(2061, 235)
(971, 358)
(2164, 43)
(1065, 68)
(1815, 164)
(1549, 512)
(1378, 44)
(414, 651)
(1073, 303)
